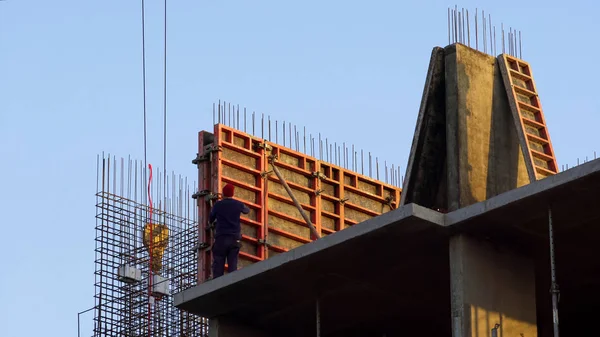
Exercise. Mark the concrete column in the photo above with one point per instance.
(490, 286)
(223, 327)
(484, 156)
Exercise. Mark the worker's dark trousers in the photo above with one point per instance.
(225, 247)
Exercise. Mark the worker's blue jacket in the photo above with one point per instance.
(227, 213)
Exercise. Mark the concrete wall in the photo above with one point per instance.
(491, 286)
(483, 152)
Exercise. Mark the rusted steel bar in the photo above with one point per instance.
(291, 194)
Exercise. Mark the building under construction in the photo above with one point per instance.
(473, 241)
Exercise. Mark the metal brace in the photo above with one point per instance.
(264, 146)
(264, 242)
(208, 195)
(198, 159)
(389, 199)
(207, 156)
(205, 245)
(319, 176)
(209, 228)
(200, 194)
(211, 197)
(212, 148)
(265, 173)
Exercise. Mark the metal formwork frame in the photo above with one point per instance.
(228, 141)
(204, 184)
(332, 196)
(292, 162)
(347, 189)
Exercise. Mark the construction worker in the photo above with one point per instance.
(228, 232)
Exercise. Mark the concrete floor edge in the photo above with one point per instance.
(403, 212)
(523, 192)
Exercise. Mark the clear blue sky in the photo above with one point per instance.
(70, 88)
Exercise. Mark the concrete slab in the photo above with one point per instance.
(386, 269)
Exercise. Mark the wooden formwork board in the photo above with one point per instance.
(333, 197)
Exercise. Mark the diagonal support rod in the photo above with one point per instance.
(272, 160)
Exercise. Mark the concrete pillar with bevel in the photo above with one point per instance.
(491, 286)
(484, 155)
(466, 150)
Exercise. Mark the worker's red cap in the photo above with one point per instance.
(228, 190)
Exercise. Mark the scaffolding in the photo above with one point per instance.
(128, 302)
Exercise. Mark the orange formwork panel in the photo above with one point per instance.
(529, 117)
(333, 197)
(204, 197)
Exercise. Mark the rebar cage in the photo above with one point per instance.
(127, 301)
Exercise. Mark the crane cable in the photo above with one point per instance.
(150, 242)
(149, 197)
(165, 115)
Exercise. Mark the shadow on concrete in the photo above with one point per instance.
(425, 175)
